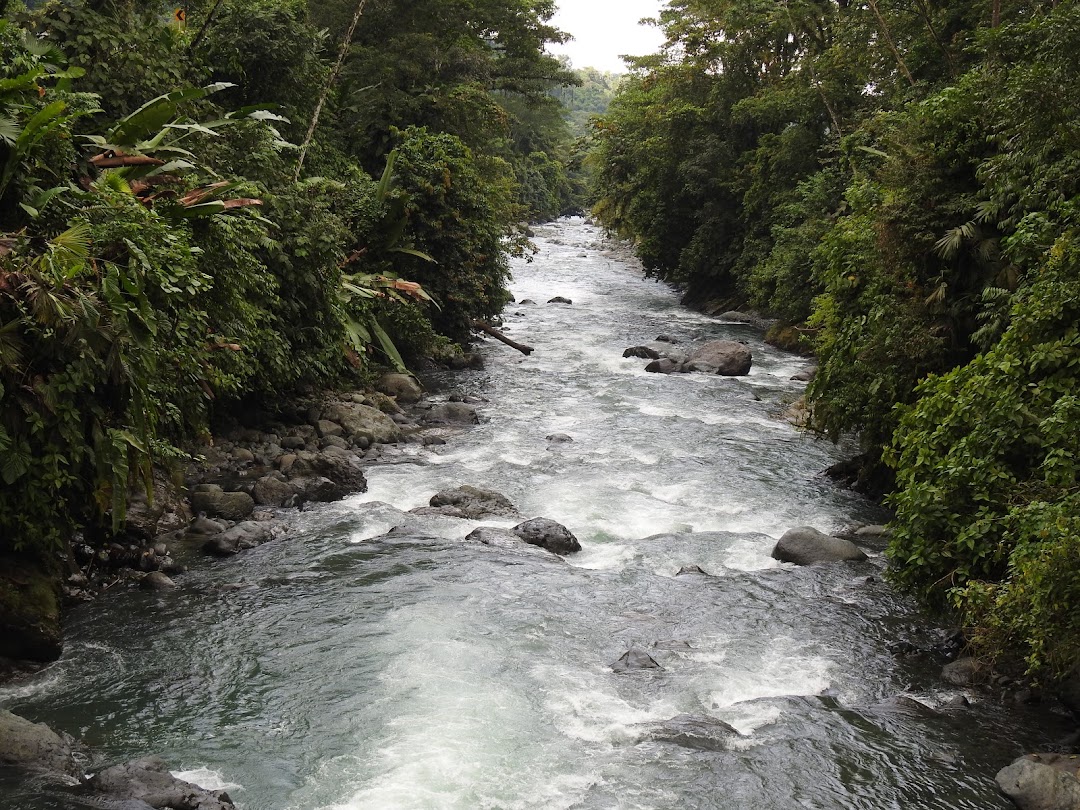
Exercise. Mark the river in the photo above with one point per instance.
(345, 667)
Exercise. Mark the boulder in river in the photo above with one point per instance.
(226, 505)
(963, 671)
(644, 352)
(548, 534)
(664, 365)
(559, 299)
(148, 780)
(242, 536)
(35, 747)
(697, 732)
(470, 503)
(806, 546)
(363, 422)
(726, 357)
(633, 660)
(460, 413)
(1042, 782)
(506, 540)
(402, 387)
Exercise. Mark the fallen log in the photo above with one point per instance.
(495, 333)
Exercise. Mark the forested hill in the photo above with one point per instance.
(178, 238)
(898, 181)
(587, 99)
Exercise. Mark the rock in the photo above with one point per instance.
(726, 357)
(324, 427)
(698, 732)
(806, 375)
(506, 539)
(558, 299)
(310, 472)
(29, 609)
(402, 387)
(35, 747)
(528, 302)
(333, 441)
(156, 581)
(547, 534)
(319, 489)
(963, 671)
(453, 413)
(645, 352)
(207, 488)
(665, 339)
(240, 537)
(738, 317)
(664, 365)
(635, 659)
(271, 490)
(472, 503)
(227, 505)
(690, 570)
(243, 455)
(148, 780)
(559, 438)
(363, 421)
(806, 546)
(204, 525)
(906, 707)
(873, 531)
(146, 518)
(1039, 782)
(293, 443)
(672, 644)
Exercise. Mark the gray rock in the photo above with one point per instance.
(645, 352)
(906, 707)
(293, 442)
(148, 780)
(227, 505)
(726, 357)
(806, 546)
(156, 581)
(338, 466)
(697, 732)
(547, 534)
(207, 488)
(472, 503)
(806, 375)
(363, 421)
(204, 525)
(271, 490)
(240, 537)
(633, 660)
(319, 489)
(690, 570)
(324, 427)
(453, 413)
(737, 317)
(558, 299)
(402, 387)
(1041, 782)
(506, 540)
(333, 441)
(528, 302)
(560, 438)
(35, 747)
(664, 365)
(243, 455)
(873, 531)
(963, 671)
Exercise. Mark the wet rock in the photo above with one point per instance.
(452, 413)
(558, 299)
(324, 427)
(293, 443)
(807, 546)
(645, 352)
(472, 503)
(148, 780)
(243, 455)
(690, 570)
(664, 365)
(506, 540)
(665, 339)
(363, 421)
(725, 357)
(402, 387)
(806, 375)
(29, 609)
(204, 525)
(963, 671)
(697, 732)
(333, 441)
(156, 581)
(559, 438)
(738, 317)
(227, 505)
(273, 490)
(309, 473)
(240, 537)
(35, 747)
(528, 302)
(633, 660)
(1042, 782)
(905, 706)
(547, 534)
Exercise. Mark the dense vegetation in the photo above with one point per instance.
(898, 182)
(164, 258)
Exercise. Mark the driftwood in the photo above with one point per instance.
(495, 333)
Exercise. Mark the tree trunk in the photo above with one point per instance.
(892, 45)
(495, 333)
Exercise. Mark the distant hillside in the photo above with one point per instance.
(591, 98)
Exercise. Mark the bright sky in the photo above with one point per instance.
(603, 29)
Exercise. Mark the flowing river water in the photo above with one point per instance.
(357, 667)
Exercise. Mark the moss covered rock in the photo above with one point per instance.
(29, 609)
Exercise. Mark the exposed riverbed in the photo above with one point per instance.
(341, 667)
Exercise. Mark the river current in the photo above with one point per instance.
(349, 666)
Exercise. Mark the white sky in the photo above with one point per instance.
(603, 29)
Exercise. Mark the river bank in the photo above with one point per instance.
(376, 658)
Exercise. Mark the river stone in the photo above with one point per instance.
(242, 536)
(156, 581)
(204, 525)
(271, 490)
(664, 365)
(697, 732)
(505, 539)
(402, 387)
(547, 534)
(691, 570)
(324, 428)
(963, 671)
(558, 299)
(635, 659)
(29, 610)
(806, 375)
(148, 780)
(334, 464)
(726, 357)
(453, 412)
(806, 546)
(559, 438)
(35, 746)
(1041, 782)
(293, 443)
(472, 503)
(227, 505)
(644, 352)
(906, 707)
(363, 421)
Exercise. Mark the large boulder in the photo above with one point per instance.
(964, 671)
(35, 747)
(806, 546)
(726, 357)
(226, 505)
(363, 422)
(471, 503)
(547, 534)
(242, 536)
(460, 413)
(506, 540)
(148, 780)
(634, 660)
(273, 490)
(697, 732)
(29, 609)
(1041, 782)
(644, 352)
(309, 471)
(402, 387)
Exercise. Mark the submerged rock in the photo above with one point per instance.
(548, 534)
(1042, 782)
(506, 540)
(148, 780)
(664, 365)
(698, 732)
(645, 352)
(558, 299)
(633, 660)
(807, 546)
(35, 747)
